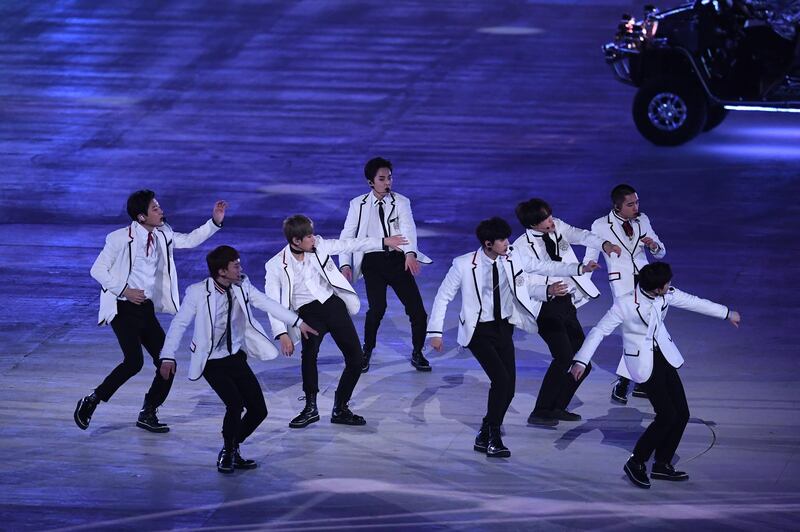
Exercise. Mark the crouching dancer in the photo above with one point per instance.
(225, 332)
(652, 359)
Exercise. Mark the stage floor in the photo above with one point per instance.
(275, 107)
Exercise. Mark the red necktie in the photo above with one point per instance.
(626, 225)
(149, 243)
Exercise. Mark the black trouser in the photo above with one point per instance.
(330, 317)
(382, 269)
(492, 345)
(137, 326)
(237, 386)
(665, 392)
(559, 328)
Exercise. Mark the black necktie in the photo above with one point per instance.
(498, 314)
(550, 246)
(382, 216)
(228, 339)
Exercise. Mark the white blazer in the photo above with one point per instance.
(531, 243)
(399, 221)
(642, 320)
(633, 258)
(279, 277)
(113, 266)
(467, 274)
(201, 303)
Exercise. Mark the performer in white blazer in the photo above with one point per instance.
(304, 278)
(549, 239)
(494, 299)
(651, 358)
(137, 276)
(383, 212)
(631, 229)
(225, 332)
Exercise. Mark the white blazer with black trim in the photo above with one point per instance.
(279, 277)
(399, 221)
(201, 303)
(467, 275)
(531, 243)
(113, 266)
(642, 320)
(633, 258)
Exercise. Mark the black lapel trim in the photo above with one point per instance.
(360, 209)
(475, 280)
(325, 273)
(247, 310)
(288, 278)
(514, 287)
(210, 317)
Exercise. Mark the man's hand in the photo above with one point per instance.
(436, 343)
(218, 214)
(306, 329)
(651, 244)
(412, 264)
(134, 295)
(167, 369)
(577, 370)
(287, 346)
(347, 271)
(735, 318)
(395, 241)
(590, 267)
(610, 248)
(557, 289)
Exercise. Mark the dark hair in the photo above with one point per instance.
(533, 212)
(619, 192)
(139, 202)
(219, 258)
(297, 226)
(375, 164)
(492, 229)
(654, 275)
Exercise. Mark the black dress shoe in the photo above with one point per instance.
(637, 472)
(419, 361)
(242, 463)
(149, 421)
(495, 448)
(308, 415)
(563, 415)
(542, 418)
(667, 472)
(638, 391)
(619, 393)
(365, 360)
(343, 416)
(84, 410)
(482, 439)
(225, 461)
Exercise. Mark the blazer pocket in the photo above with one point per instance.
(614, 276)
(636, 354)
(192, 347)
(462, 321)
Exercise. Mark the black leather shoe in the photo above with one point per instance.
(667, 472)
(619, 393)
(563, 415)
(495, 448)
(84, 410)
(149, 421)
(482, 439)
(308, 415)
(225, 461)
(542, 418)
(419, 361)
(365, 360)
(637, 472)
(638, 391)
(242, 463)
(343, 416)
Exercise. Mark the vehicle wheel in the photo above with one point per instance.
(716, 114)
(669, 112)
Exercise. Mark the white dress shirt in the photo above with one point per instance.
(220, 349)
(308, 284)
(143, 272)
(487, 291)
(374, 228)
